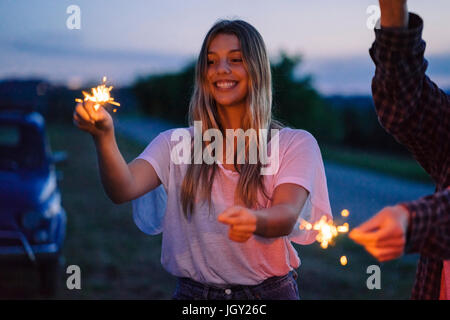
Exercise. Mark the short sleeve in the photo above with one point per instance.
(149, 209)
(157, 153)
(301, 163)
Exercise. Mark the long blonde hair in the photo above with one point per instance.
(202, 107)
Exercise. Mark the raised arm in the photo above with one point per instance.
(394, 13)
(409, 105)
(122, 182)
(416, 112)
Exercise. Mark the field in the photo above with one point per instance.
(402, 167)
(118, 261)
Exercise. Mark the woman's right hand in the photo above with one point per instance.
(97, 123)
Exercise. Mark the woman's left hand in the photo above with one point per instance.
(242, 222)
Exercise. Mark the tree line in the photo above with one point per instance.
(350, 122)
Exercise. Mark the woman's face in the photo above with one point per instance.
(227, 77)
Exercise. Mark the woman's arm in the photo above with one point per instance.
(394, 13)
(121, 182)
(276, 221)
(280, 218)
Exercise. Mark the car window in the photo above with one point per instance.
(21, 147)
(9, 136)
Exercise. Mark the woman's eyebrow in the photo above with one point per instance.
(231, 51)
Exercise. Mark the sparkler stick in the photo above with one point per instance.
(100, 95)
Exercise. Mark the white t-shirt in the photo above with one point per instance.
(200, 248)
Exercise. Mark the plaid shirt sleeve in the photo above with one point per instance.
(417, 113)
(429, 227)
(409, 105)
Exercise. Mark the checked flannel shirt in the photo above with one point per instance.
(417, 113)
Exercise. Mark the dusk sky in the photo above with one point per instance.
(125, 39)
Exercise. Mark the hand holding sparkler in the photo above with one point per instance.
(97, 123)
(242, 222)
(90, 114)
(384, 235)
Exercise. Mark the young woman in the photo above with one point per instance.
(227, 228)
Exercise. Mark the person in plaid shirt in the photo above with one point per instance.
(417, 113)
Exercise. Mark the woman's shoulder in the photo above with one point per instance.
(290, 136)
(173, 134)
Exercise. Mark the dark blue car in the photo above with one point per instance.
(32, 219)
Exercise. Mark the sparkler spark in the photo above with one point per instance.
(100, 95)
(327, 230)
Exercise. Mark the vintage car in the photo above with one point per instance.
(32, 219)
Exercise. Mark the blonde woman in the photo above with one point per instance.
(227, 227)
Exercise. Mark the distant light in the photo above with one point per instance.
(343, 260)
(74, 83)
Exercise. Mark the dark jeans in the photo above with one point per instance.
(274, 288)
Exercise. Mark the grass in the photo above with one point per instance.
(397, 166)
(321, 276)
(118, 261)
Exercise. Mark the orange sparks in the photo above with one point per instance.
(343, 228)
(327, 230)
(100, 95)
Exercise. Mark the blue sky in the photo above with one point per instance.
(124, 39)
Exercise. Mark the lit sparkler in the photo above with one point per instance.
(327, 231)
(100, 95)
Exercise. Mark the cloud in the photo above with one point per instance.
(353, 74)
(70, 50)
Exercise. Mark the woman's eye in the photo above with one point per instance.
(210, 62)
(236, 60)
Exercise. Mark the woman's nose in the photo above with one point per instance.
(223, 66)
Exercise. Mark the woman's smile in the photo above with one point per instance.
(225, 85)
